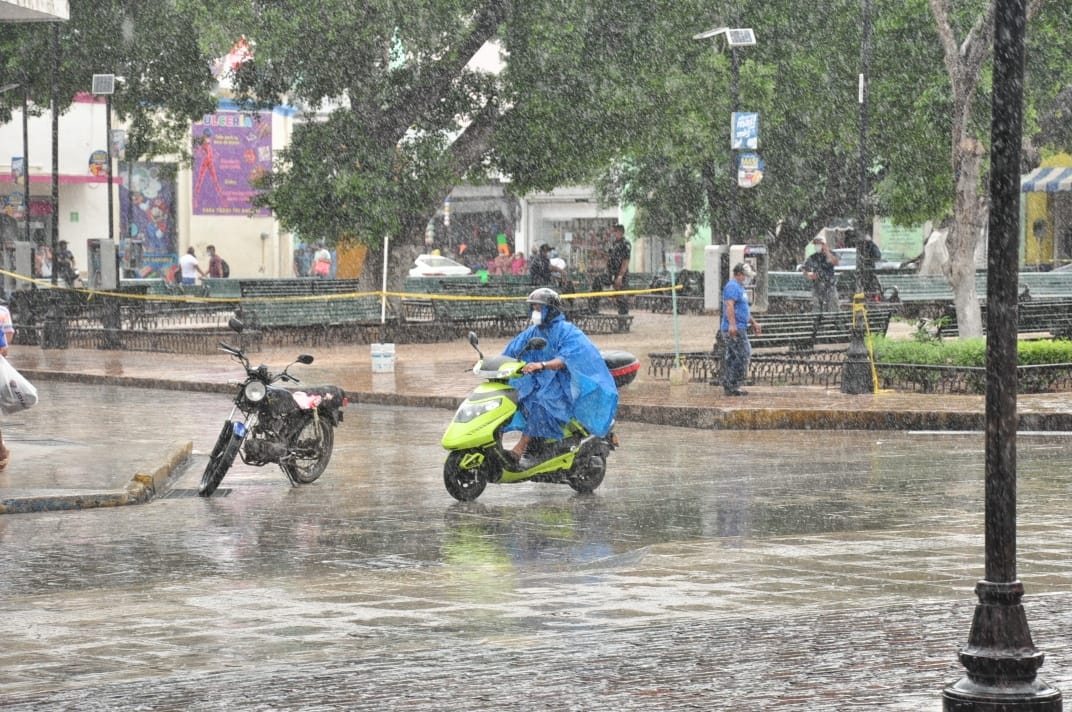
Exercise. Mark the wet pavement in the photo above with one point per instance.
(803, 569)
(436, 376)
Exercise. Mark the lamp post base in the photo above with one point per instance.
(969, 696)
(1000, 658)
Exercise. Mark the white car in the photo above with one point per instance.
(437, 266)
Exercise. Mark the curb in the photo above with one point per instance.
(141, 489)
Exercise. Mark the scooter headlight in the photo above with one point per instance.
(470, 410)
(255, 391)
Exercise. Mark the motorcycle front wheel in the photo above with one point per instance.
(222, 457)
(310, 446)
(466, 474)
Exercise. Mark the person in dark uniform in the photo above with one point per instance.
(867, 254)
(617, 274)
(540, 267)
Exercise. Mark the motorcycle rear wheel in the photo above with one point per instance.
(466, 482)
(312, 442)
(220, 461)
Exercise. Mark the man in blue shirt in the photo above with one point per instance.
(736, 318)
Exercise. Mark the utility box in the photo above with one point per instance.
(716, 272)
(103, 267)
(24, 260)
(756, 287)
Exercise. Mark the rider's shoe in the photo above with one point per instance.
(527, 462)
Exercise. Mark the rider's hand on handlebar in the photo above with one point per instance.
(533, 367)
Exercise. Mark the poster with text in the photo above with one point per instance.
(230, 149)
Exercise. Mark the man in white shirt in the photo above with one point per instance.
(190, 268)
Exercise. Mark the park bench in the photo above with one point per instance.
(1051, 317)
(689, 297)
(790, 333)
(494, 309)
(313, 309)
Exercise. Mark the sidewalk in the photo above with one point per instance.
(425, 375)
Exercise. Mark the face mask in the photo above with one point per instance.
(537, 317)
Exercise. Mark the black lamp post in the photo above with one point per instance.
(1000, 658)
(735, 37)
(864, 95)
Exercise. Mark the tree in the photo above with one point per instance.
(152, 46)
(965, 61)
(614, 91)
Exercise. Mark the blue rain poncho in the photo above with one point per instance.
(584, 389)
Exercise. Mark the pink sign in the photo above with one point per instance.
(230, 148)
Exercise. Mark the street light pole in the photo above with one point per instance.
(26, 156)
(1000, 657)
(105, 84)
(108, 131)
(864, 95)
(735, 37)
(735, 101)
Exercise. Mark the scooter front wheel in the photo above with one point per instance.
(222, 457)
(466, 474)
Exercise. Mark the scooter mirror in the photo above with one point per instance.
(236, 324)
(474, 340)
(305, 358)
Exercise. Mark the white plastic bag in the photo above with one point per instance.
(16, 393)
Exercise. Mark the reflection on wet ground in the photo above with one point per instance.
(705, 558)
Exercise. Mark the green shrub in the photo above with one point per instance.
(967, 352)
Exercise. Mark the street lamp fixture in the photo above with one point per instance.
(735, 37)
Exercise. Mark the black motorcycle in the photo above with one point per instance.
(294, 429)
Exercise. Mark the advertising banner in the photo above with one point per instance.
(744, 130)
(230, 149)
(749, 170)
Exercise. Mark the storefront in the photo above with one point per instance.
(1047, 223)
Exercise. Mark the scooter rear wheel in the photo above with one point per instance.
(588, 475)
(465, 474)
(220, 461)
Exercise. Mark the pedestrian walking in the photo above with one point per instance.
(322, 262)
(736, 318)
(617, 274)
(189, 267)
(217, 266)
(819, 268)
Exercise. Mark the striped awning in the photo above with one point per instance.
(1047, 180)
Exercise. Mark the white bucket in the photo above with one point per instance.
(383, 358)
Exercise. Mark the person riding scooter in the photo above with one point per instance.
(568, 378)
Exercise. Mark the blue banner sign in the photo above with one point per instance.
(744, 130)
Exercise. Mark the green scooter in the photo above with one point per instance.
(474, 438)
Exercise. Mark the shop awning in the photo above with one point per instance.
(1047, 180)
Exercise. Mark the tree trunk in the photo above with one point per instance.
(964, 238)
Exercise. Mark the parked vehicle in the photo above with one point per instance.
(474, 438)
(291, 428)
(437, 266)
(847, 261)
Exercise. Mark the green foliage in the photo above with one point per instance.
(152, 46)
(967, 352)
